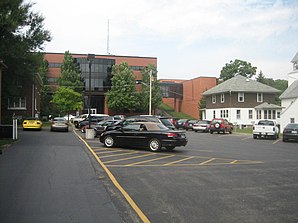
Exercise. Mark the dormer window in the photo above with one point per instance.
(259, 97)
(240, 96)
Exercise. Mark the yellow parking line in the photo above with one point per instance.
(139, 212)
(147, 161)
(121, 154)
(233, 162)
(178, 161)
(134, 157)
(207, 161)
(276, 141)
(109, 151)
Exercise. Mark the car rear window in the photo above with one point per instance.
(216, 121)
(292, 126)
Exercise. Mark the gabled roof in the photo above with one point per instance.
(295, 59)
(266, 105)
(240, 84)
(291, 91)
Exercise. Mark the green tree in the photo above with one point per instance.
(261, 77)
(46, 97)
(237, 67)
(279, 84)
(21, 36)
(66, 100)
(156, 98)
(71, 74)
(123, 96)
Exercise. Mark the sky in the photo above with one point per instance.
(190, 38)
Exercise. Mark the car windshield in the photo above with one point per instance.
(204, 122)
(292, 126)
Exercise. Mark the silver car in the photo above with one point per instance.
(59, 124)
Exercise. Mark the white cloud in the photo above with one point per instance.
(188, 37)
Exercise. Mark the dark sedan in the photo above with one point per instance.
(144, 134)
(107, 126)
(290, 132)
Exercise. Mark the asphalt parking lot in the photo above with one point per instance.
(215, 178)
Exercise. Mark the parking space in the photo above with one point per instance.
(214, 171)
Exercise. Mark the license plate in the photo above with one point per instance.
(294, 132)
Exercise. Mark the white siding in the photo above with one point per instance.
(290, 111)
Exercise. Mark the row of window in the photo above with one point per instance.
(241, 97)
(58, 65)
(266, 114)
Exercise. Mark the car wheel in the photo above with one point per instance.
(211, 132)
(109, 141)
(255, 136)
(154, 145)
(284, 140)
(170, 148)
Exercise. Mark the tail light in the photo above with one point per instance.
(25, 122)
(172, 135)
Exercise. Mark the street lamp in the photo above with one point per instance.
(150, 90)
(90, 58)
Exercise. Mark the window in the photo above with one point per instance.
(213, 99)
(259, 114)
(213, 113)
(278, 114)
(273, 114)
(249, 114)
(265, 114)
(240, 96)
(238, 114)
(259, 97)
(292, 120)
(224, 113)
(17, 103)
(222, 98)
(269, 114)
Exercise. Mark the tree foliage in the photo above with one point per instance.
(237, 67)
(156, 97)
(123, 96)
(70, 91)
(66, 100)
(21, 36)
(46, 97)
(278, 84)
(70, 74)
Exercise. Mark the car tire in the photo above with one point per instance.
(255, 136)
(109, 141)
(284, 140)
(211, 132)
(154, 145)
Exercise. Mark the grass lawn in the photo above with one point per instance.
(4, 142)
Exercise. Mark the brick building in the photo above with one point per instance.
(100, 74)
(185, 95)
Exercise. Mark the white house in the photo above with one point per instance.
(241, 101)
(289, 99)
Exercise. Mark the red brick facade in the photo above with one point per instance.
(192, 94)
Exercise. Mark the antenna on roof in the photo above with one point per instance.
(108, 38)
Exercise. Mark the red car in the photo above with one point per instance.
(220, 125)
